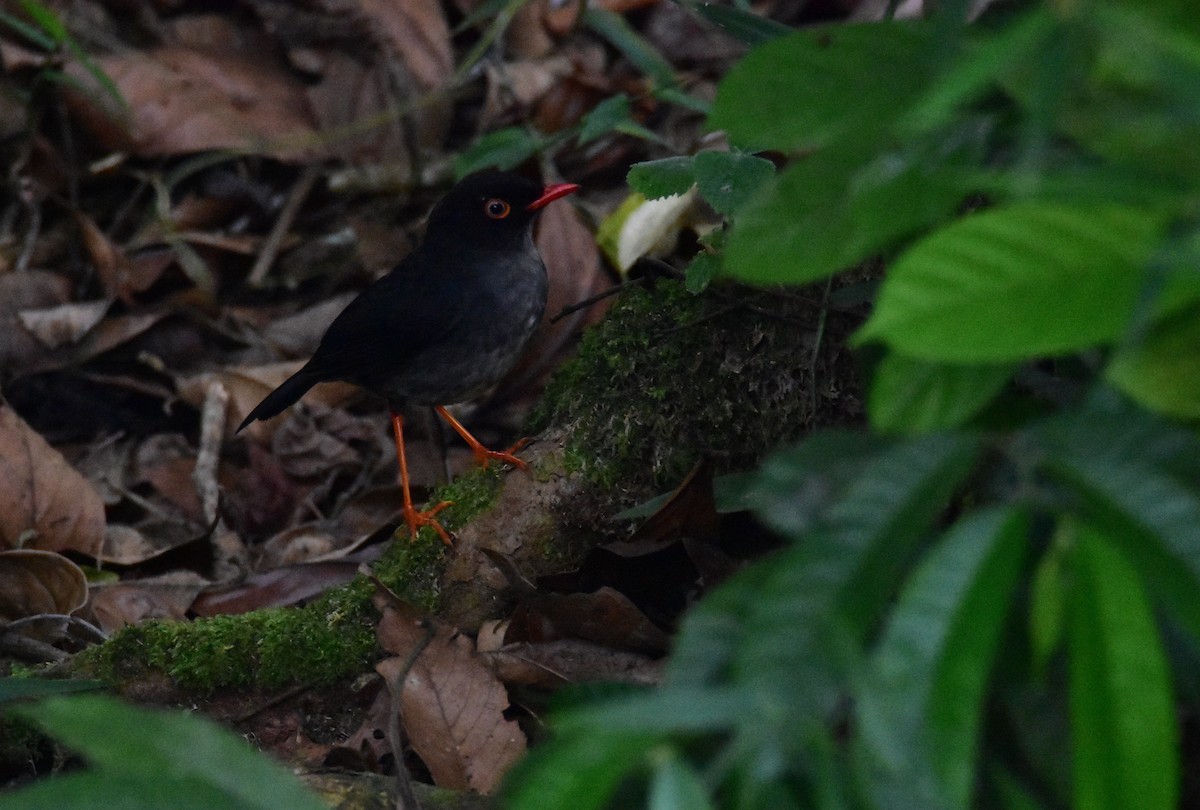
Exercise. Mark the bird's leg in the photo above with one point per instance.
(482, 454)
(412, 517)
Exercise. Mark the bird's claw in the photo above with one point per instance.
(416, 519)
(483, 456)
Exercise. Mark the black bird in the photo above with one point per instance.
(448, 322)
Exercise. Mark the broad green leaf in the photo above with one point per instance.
(157, 754)
(728, 179)
(662, 178)
(676, 786)
(796, 487)
(579, 770)
(101, 790)
(1162, 370)
(1047, 603)
(917, 396)
(919, 713)
(1123, 724)
(1138, 104)
(1016, 282)
(835, 209)
(984, 58)
(821, 599)
(502, 149)
(27, 688)
(1121, 468)
(823, 85)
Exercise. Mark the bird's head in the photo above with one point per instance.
(491, 208)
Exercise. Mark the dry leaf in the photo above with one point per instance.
(247, 385)
(183, 100)
(44, 502)
(556, 663)
(19, 292)
(62, 325)
(277, 588)
(169, 596)
(129, 545)
(452, 705)
(35, 582)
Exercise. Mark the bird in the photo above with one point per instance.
(447, 323)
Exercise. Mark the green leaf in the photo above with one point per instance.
(1162, 370)
(159, 759)
(1016, 282)
(818, 601)
(1047, 603)
(662, 178)
(823, 85)
(1120, 467)
(920, 710)
(798, 486)
(502, 149)
(676, 786)
(728, 179)
(1123, 725)
(916, 396)
(604, 118)
(579, 770)
(835, 209)
(703, 268)
(12, 689)
(745, 26)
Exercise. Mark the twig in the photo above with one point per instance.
(816, 352)
(212, 430)
(231, 556)
(287, 215)
(406, 799)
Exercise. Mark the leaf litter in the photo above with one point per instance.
(161, 238)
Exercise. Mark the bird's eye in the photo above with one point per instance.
(496, 208)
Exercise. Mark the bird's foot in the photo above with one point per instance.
(483, 456)
(416, 519)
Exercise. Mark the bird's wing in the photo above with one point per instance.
(396, 317)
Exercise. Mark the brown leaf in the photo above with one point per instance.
(277, 588)
(452, 705)
(130, 545)
(19, 350)
(247, 385)
(183, 100)
(164, 597)
(34, 582)
(418, 32)
(605, 616)
(555, 663)
(64, 324)
(44, 502)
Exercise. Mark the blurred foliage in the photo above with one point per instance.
(156, 759)
(992, 597)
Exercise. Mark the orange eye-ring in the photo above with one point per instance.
(496, 208)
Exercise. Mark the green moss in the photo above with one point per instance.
(670, 377)
(331, 638)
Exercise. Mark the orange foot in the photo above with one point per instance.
(416, 519)
(483, 455)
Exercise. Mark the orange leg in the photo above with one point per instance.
(482, 454)
(412, 517)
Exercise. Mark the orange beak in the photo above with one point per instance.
(551, 193)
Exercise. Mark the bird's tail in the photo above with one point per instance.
(291, 390)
